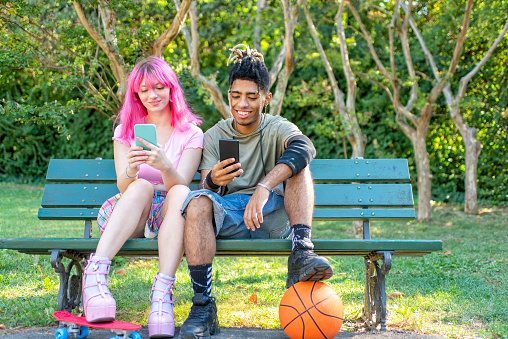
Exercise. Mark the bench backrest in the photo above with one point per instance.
(345, 189)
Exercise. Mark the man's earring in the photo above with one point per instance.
(266, 105)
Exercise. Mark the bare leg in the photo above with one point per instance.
(299, 198)
(128, 218)
(171, 231)
(199, 237)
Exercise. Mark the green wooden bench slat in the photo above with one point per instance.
(361, 170)
(81, 170)
(363, 214)
(329, 170)
(67, 213)
(89, 195)
(363, 195)
(245, 247)
(93, 195)
(319, 214)
(64, 170)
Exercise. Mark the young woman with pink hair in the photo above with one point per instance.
(153, 185)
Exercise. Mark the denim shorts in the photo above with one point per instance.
(228, 216)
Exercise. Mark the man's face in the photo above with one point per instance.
(246, 104)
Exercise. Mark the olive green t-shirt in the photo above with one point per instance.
(272, 133)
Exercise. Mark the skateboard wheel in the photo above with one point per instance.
(135, 335)
(83, 332)
(61, 333)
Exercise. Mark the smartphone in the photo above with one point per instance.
(146, 132)
(229, 148)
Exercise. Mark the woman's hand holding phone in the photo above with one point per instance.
(155, 157)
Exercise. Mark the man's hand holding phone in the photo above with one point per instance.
(225, 171)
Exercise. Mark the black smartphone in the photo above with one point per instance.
(229, 148)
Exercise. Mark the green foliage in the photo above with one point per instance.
(46, 77)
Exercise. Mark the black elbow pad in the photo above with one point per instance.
(299, 153)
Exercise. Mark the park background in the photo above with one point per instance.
(361, 78)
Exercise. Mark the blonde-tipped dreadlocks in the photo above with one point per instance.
(238, 54)
(248, 64)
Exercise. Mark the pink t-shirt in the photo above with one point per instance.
(177, 143)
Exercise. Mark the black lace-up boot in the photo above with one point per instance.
(202, 321)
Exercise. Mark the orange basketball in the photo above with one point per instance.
(311, 310)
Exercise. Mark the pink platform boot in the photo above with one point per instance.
(161, 320)
(98, 302)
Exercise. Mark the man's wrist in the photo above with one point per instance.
(210, 183)
(264, 186)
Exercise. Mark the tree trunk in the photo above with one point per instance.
(473, 149)
(424, 176)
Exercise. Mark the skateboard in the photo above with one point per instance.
(78, 326)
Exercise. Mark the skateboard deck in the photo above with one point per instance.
(76, 324)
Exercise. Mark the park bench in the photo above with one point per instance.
(361, 189)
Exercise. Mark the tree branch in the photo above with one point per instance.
(117, 63)
(193, 47)
(368, 38)
(161, 43)
(465, 80)
(290, 18)
(460, 41)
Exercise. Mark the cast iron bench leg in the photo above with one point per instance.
(69, 294)
(375, 292)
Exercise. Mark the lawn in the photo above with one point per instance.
(461, 292)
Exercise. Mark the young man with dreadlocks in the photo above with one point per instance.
(268, 194)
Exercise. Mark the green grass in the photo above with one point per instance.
(462, 294)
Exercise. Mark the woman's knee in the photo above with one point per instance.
(140, 189)
(178, 191)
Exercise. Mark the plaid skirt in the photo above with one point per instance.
(153, 222)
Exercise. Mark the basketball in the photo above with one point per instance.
(311, 310)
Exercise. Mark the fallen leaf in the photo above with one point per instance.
(254, 298)
(2, 326)
(2, 311)
(490, 281)
(257, 290)
(395, 295)
(241, 287)
(42, 275)
(342, 273)
(122, 272)
(416, 272)
(445, 253)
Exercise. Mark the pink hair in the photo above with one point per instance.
(153, 70)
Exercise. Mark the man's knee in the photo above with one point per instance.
(200, 207)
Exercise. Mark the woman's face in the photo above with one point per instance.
(156, 99)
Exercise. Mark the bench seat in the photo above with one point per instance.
(254, 247)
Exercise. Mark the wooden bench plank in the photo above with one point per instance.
(361, 170)
(84, 195)
(321, 214)
(363, 195)
(244, 247)
(94, 194)
(323, 170)
(84, 170)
